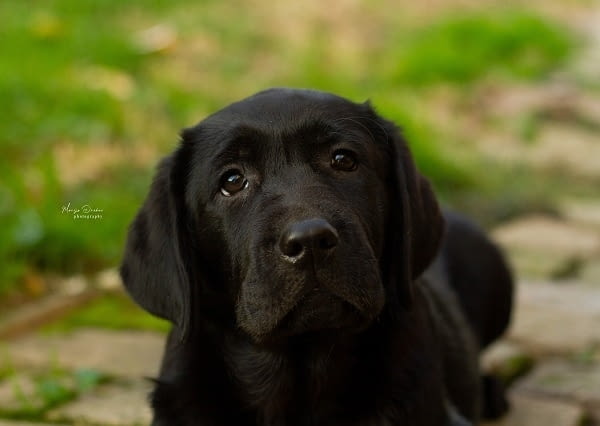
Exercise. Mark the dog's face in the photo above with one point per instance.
(295, 185)
(291, 208)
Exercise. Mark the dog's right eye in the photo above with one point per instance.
(344, 160)
(233, 182)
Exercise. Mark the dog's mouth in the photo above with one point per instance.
(320, 310)
(311, 309)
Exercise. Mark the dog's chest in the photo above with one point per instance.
(300, 388)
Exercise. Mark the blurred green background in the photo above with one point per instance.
(93, 93)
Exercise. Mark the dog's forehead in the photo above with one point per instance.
(285, 109)
(277, 126)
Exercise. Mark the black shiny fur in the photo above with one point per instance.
(301, 299)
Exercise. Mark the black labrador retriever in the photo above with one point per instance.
(287, 239)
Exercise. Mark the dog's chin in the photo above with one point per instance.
(319, 313)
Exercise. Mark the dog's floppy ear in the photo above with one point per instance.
(415, 221)
(153, 270)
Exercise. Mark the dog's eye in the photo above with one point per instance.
(233, 182)
(344, 160)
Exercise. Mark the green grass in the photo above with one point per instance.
(73, 74)
(449, 171)
(112, 311)
(463, 49)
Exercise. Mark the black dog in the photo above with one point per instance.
(286, 239)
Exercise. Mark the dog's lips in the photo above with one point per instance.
(320, 309)
(311, 306)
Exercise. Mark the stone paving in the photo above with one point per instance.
(126, 354)
(555, 328)
(128, 358)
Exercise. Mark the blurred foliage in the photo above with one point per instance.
(464, 48)
(112, 311)
(94, 92)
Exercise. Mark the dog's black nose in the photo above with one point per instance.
(315, 235)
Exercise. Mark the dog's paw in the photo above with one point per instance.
(454, 418)
(495, 404)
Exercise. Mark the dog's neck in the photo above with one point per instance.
(293, 379)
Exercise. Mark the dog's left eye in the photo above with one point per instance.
(233, 182)
(344, 160)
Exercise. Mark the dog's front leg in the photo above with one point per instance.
(454, 418)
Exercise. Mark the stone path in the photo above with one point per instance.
(555, 330)
(127, 354)
(126, 358)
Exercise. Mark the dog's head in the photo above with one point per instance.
(289, 212)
